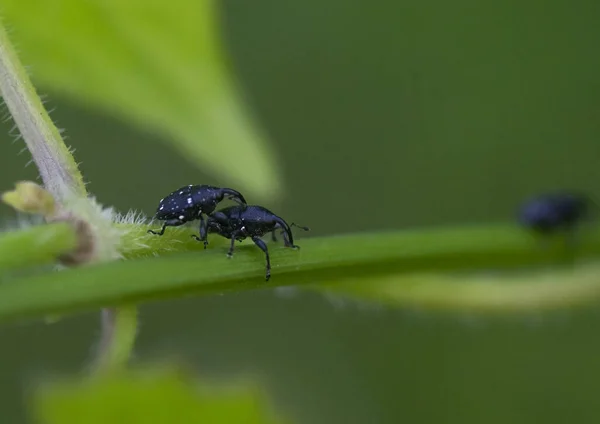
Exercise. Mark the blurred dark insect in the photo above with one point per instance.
(554, 212)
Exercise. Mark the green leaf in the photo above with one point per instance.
(365, 259)
(150, 395)
(162, 68)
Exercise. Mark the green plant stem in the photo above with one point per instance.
(424, 247)
(55, 162)
(35, 246)
(482, 294)
(368, 258)
(57, 167)
(119, 329)
(137, 243)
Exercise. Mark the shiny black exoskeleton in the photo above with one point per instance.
(190, 203)
(240, 222)
(555, 211)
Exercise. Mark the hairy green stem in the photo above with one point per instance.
(36, 245)
(461, 243)
(57, 167)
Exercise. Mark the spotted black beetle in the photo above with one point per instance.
(189, 203)
(238, 222)
(554, 211)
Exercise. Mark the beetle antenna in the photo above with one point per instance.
(299, 226)
(236, 196)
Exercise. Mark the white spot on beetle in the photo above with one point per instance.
(189, 200)
(181, 192)
(161, 208)
(181, 216)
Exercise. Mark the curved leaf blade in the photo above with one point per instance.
(162, 68)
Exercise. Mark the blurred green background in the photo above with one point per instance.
(385, 115)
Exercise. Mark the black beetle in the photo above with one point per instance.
(189, 203)
(239, 222)
(554, 211)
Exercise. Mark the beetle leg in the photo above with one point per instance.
(203, 231)
(167, 223)
(233, 238)
(273, 236)
(286, 238)
(263, 246)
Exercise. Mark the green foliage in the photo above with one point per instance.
(375, 266)
(152, 394)
(162, 68)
